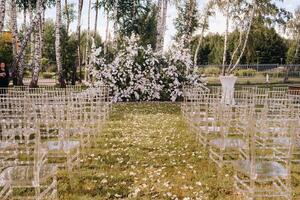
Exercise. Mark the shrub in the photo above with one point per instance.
(138, 73)
(212, 71)
(245, 72)
(48, 75)
(52, 68)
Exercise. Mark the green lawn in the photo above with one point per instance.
(146, 152)
(256, 80)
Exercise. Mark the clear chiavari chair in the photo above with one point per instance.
(30, 176)
(266, 171)
(232, 141)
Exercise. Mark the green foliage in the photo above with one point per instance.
(212, 50)
(6, 49)
(69, 53)
(147, 26)
(291, 58)
(212, 71)
(245, 72)
(49, 38)
(48, 75)
(265, 45)
(187, 20)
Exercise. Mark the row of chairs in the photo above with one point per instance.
(43, 130)
(259, 137)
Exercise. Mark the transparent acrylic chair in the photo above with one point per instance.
(265, 174)
(206, 120)
(63, 149)
(232, 141)
(31, 177)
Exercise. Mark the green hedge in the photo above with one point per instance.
(48, 75)
(212, 71)
(246, 72)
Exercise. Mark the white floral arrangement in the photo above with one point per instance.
(138, 73)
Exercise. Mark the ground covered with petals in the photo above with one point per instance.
(146, 151)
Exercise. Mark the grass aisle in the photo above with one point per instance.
(146, 152)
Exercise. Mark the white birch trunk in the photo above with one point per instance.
(68, 16)
(115, 26)
(80, 5)
(58, 25)
(32, 39)
(15, 37)
(87, 62)
(159, 25)
(96, 18)
(106, 33)
(226, 38)
(246, 37)
(2, 13)
(164, 21)
(37, 54)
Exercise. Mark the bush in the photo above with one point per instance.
(246, 72)
(27, 73)
(138, 73)
(48, 75)
(52, 68)
(212, 71)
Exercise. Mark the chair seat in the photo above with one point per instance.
(7, 145)
(287, 141)
(24, 176)
(210, 129)
(203, 119)
(62, 145)
(264, 169)
(228, 143)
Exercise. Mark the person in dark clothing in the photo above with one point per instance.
(4, 78)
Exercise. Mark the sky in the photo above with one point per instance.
(217, 23)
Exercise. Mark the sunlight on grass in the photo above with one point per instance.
(146, 152)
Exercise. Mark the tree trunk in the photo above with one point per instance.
(296, 56)
(87, 62)
(96, 17)
(26, 38)
(159, 25)
(163, 25)
(15, 37)
(226, 38)
(60, 73)
(2, 14)
(37, 54)
(190, 14)
(106, 32)
(80, 4)
(246, 37)
(237, 48)
(32, 39)
(115, 26)
(42, 28)
(24, 18)
(204, 22)
(68, 16)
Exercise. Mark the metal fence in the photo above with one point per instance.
(261, 67)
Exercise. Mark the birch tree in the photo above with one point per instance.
(58, 25)
(88, 51)
(37, 47)
(293, 28)
(80, 6)
(203, 26)
(2, 13)
(96, 7)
